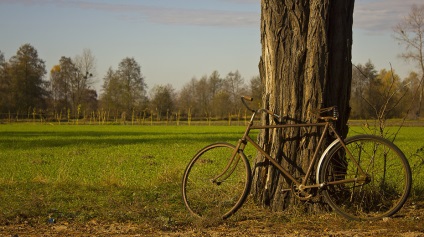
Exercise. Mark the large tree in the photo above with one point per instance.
(4, 85)
(133, 85)
(85, 70)
(70, 83)
(124, 90)
(305, 65)
(363, 76)
(162, 100)
(26, 72)
(61, 77)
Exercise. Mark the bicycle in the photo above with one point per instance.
(364, 177)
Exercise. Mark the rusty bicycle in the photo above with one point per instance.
(364, 177)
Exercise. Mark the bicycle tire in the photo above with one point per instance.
(207, 199)
(387, 186)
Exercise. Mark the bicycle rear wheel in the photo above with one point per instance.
(214, 185)
(385, 187)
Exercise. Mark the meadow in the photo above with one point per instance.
(119, 173)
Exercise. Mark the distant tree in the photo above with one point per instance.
(90, 100)
(85, 65)
(362, 76)
(204, 94)
(384, 95)
(110, 98)
(70, 82)
(256, 88)
(162, 99)
(410, 104)
(61, 80)
(222, 105)
(234, 85)
(198, 94)
(213, 96)
(186, 97)
(132, 85)
(124, 90)
(215, 83)
(5, 99)
(410, 33)
(27, 85)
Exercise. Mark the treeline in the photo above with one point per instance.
(67, 94)
(383, 94)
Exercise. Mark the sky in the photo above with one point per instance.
(177, 40)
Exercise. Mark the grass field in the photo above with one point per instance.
(117, 173)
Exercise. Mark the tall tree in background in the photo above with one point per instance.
(70, 83)
(256, 88)
(27, 85)
(410, 105)
(162, 99)
(85, 65)
(110, 98)
(235, 86)
(4, 85)
(363, 76)
(410, 33)
(124, 90)
(61, 77)
(384, 95)
(305, 64)
(132, 84)
(215, 83)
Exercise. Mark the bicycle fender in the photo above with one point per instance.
(321, 159)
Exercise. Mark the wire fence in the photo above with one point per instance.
(122, 118)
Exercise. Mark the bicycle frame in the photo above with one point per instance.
(218, 179)
(327, 125)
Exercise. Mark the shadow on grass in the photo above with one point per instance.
(31, 140)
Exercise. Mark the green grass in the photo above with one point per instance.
(411, 141)
(113, 173)
(117, 173)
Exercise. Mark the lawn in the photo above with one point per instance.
(116, 173)
(119, 173)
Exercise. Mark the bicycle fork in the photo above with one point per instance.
(231, 165)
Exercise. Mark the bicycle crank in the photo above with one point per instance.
(300, 192)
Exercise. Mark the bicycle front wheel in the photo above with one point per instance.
(378, 191)
(214, 184)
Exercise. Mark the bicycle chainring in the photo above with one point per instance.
(300, 193)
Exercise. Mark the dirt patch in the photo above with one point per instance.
(409, 222)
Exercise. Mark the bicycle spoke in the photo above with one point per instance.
(385, 188)
(214, 184)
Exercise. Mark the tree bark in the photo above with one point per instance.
(305, 65)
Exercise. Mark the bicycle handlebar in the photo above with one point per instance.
(243, 99)
(318, 112)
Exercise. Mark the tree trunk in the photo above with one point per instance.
(305, 64)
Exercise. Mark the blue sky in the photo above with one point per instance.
(176, 40)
